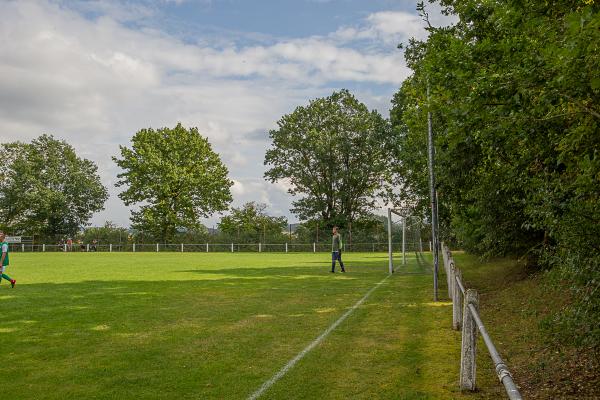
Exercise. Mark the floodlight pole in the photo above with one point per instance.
(434, 215)
(391, 264)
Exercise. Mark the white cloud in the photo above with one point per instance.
(95, 82)
(392, 27)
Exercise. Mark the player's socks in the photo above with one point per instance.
(8, 278)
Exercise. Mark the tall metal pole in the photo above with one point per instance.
(391, 264)
(434, 216)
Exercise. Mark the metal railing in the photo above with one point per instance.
(465, 316)
(291, 247)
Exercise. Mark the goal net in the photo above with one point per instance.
(404, 238)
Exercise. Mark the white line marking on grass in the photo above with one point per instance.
(311, 346)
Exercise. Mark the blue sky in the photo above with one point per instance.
(95, 72)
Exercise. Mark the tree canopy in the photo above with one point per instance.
(515, 88)
(46, 189)
(175, 176)
(250, 223)
(333, 153)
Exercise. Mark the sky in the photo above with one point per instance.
(93, 73)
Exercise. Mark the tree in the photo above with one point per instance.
(107, 234)
(515, 90)
(333, 153)
(250, 223)
(46, 189)
(176, 176)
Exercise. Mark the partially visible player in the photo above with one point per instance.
(4, 260)
(336, 249)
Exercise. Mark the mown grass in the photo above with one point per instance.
(216, 326)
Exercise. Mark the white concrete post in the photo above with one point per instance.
(457, 298)
(259, 247)
(87, 247)
(232, 247)
(134, 247)
(420, 245)
(182, 247)
(110, 248)
(286, 247)
(468, 361)
(157, 247)
(448, 262)
(314, 247)
(44, 247)
(65, 248)
(207, 247)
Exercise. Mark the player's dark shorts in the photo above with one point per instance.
(336, 255)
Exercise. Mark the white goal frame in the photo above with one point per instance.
(404, 214)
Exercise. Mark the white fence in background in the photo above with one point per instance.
(202, 247)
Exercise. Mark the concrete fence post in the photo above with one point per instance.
(207, 247)
(457, 298)
(260, 247)
(110, 248)
(314, 247)
(43, 247)
(448, 262)
(468, 361)
(157, 247)
(286, 247)
(134, 247)
(232, 247)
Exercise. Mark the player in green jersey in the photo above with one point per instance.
(336, 249)
(4, 260)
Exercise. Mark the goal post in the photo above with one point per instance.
(409, 235)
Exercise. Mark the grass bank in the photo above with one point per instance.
(514, 303)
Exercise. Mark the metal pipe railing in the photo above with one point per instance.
(460, 285)
(467, 317)
(501, 369)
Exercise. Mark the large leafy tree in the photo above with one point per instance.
(251, 223)
(46, 189)
(333, 154)
(515, 88)
(109, 233)
(177, 178)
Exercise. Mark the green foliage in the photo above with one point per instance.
(251, 224)
(177, 178)
(109, 233)
(515, 94)
(333, 153)
(46, 189)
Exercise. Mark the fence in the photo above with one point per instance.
(203, 247)
(465, 315)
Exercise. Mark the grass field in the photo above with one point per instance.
(217, 326)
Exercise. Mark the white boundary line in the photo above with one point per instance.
(265, 386)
